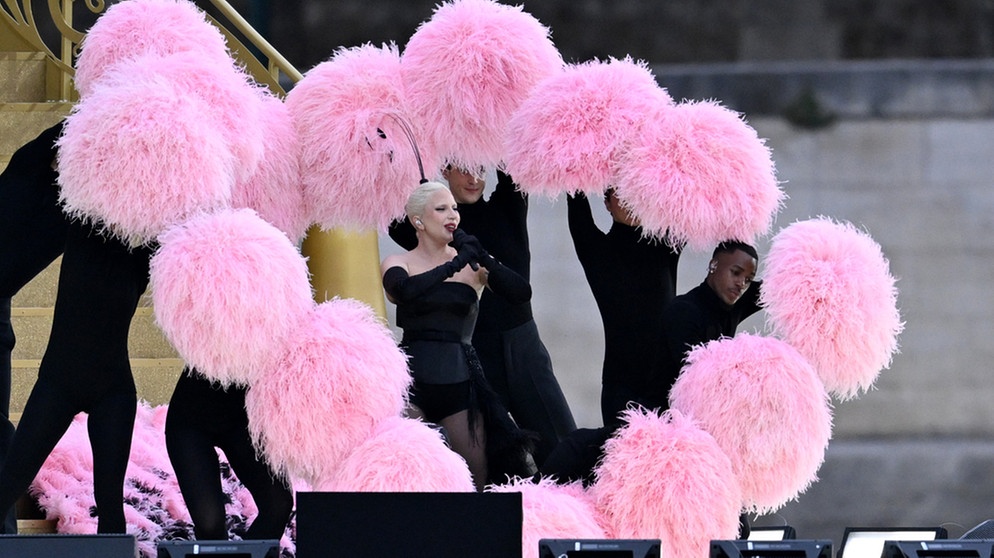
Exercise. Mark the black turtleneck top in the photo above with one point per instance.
(632, 279)
(694, 318)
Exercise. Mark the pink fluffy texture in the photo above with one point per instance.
(766, 408)
(566, 136)
(666, 478)
(227, 289)
(699, 175)
(553, 511)
(141, 154)
(153, 505)
(234, 99)
(340, 375)
(402, 455)
(828, 291)
(136, 27)
(468, 68)
(275, 190)
(353, 177)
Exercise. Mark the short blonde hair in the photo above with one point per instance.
(419, 198)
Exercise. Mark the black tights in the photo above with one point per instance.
(85, 369)
(202, 417)
(47, 415)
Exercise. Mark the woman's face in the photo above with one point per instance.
(441, 216)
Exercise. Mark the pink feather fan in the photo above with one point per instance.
(828, 291)
(227, 289)
(138, 27)
(140, 154)
(766, 408)
(402, 455)
(340, 375)
(467, 69)
(699, 175)
(358, 164)
(275, 190)
(666, 478)
(553, 511)
(566, 136)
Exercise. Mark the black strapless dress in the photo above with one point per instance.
(438, 327)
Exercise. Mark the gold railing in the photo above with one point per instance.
(19, 17)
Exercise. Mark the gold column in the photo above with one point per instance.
(347, 265)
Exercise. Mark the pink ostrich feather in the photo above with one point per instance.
(468, 69)
(137, 27)
(358, 165)
(553, 511)
(767, 409)
(566, 136)
(699, 175)
(401, 455)
(227, 289)
(828, 291)
(141, 154)
(275, 191)
(664, 477)
(340, 374)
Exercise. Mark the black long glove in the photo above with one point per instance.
(501, 279)
(404, 288)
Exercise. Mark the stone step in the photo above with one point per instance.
(154, 378)
(22, 122)
(22, 77)
(40, 291)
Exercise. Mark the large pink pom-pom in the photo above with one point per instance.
(567, 134)
(766, 408)
(467, 69)
(275, 190)
(341, 374)
(553, 511)
(828, 291)
(227, 289)
(359, 166)
(141, 154)
(666, 478)
(402, 455)
(698, 174)
(139, 27)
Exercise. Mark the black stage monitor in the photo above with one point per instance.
(67, 546)
(868, 542)
(598, 548)
(222, 549)
(797, 548)
(409, 524)
(771, 533)
(951, 548)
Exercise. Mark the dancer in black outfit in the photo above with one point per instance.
(85, 368)
(632, 280)
(32, 236)
(203, 416)
(436, 288)
(515, 361)
(708, 312)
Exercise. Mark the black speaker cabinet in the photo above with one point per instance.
(409, 525)
(65, 546)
